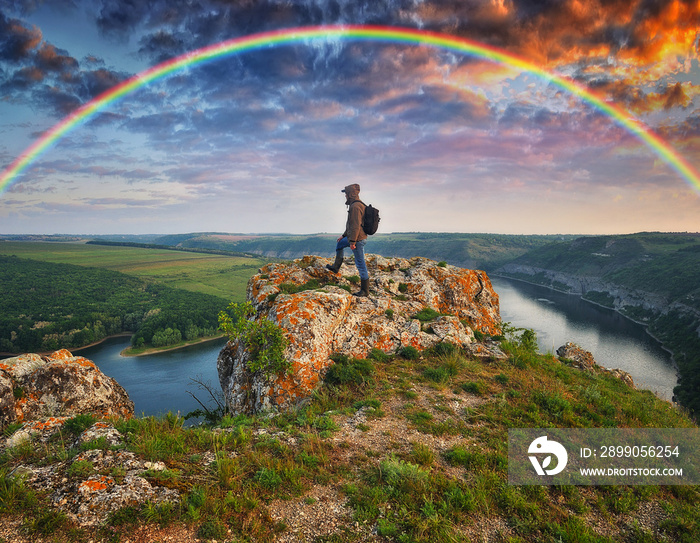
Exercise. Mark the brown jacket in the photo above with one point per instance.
(356, 214)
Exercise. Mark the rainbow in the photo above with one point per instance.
(351, 32)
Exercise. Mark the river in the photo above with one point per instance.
(614, 341)
(160, 382)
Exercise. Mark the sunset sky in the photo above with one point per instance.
(263, 141)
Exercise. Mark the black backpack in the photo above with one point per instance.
(371, 219)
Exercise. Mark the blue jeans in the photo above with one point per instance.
(359, 252)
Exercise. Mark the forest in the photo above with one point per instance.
(47, 306)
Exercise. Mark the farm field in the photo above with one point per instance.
(217, 275)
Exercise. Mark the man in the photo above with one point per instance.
(353, 237)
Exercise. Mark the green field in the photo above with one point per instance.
(217, 275)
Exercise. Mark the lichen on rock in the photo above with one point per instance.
(94, 483)
(319, 316)
(34, 387)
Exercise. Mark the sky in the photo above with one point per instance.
(262, 141)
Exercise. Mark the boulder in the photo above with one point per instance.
(34, 387)
(576, 356)
(319, 317)
(580, 358)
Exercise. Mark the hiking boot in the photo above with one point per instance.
(364, 289)
(335, 267)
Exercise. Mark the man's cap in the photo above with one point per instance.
(356, 187)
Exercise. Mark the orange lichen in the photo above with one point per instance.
(62, 354)
(315, 322)
(93, 485)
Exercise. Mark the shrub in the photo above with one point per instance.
(212, 529)
(386, 528)
(263, 338)
(409, 352)
(551, 402)
(268, 478)
(426, 314)
(501, 379)
(292, 288)
(14, 494)
(78, 424)
(12, 428)
(340, 358)
(378, 355)
(422, 454)
(472, 387)
(444, 348)
(347, 371)
(46, 522)
(403, 476)
(441, 374)
(80, 469)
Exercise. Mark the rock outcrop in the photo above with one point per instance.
(96, 482)
(43, 393)
(579, 358)
(34, 387)
(323, 318)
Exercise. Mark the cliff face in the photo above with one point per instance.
(620, 297)
(321, 321)
(641, 275)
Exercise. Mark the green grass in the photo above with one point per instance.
(404, 490)
(217, 275)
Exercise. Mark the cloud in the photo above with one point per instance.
(26, 7)
(48, 58)
(293, 120)
(45, 77)
(675, 95)
(54, 99)
(562, 31)
(116, 18)
(162, 45)
(17, 41)
(125, 202)
(639, 101)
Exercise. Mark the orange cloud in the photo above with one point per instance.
(554, 33)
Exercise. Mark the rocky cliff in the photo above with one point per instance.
(416, 303)
(620, 298)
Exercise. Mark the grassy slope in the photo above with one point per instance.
(412, 450)
(222, 276)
